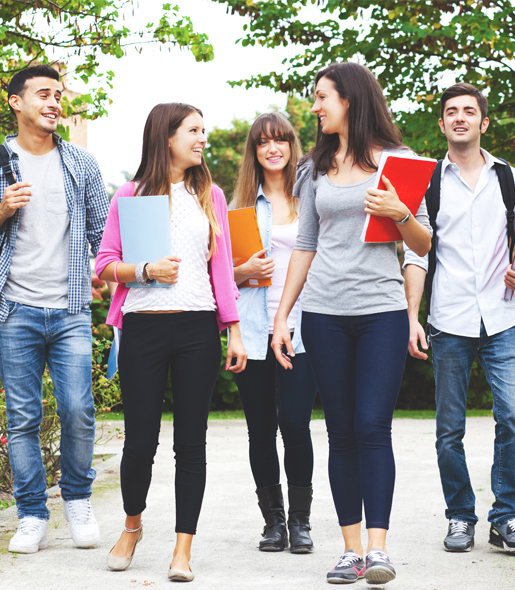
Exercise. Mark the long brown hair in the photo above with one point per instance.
(370, 121)
(274, 126)
(154, 174)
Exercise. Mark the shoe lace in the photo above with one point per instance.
(28, 526)
(80, 510)
(378, 556)
(347, 559)
(458, 527)
(511, 525)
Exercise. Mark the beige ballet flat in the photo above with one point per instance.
(180, 575)
(119, 564)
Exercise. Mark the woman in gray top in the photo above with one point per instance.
(355, 325)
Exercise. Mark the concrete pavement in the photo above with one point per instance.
(224, 550)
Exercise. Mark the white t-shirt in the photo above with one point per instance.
(189, 228)
(283, 240)
(39, 269)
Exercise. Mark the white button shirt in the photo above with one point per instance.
(471, 255)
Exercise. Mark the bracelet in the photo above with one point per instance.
(405, 220)
(139, 275)
(150, 271)
(115, 275)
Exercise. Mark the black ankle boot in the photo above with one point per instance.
(298, 519)
(271, 503)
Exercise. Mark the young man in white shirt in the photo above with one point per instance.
(469, 317)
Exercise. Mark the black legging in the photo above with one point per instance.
(189, 344)
(291, 411)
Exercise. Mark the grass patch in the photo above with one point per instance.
(315, 415)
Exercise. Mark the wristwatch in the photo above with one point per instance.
(405, 220)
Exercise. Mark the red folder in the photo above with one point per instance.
(410, 177)
(246, 241)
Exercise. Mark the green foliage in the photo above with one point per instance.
(224, 153)
(303, 121)
(410, 46)
(226, 394)
(50, 31)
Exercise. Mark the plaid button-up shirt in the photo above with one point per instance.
(87, 206)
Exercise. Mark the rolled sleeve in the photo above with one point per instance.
(97, 206)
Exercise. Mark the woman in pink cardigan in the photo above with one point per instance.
(174, 328)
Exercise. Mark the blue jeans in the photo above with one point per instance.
(30, 338)
(452, 362)
(358, 362)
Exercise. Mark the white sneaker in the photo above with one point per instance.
(31, 536)
(83, 526)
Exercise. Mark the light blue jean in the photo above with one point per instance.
(30, 338)
(452, 362)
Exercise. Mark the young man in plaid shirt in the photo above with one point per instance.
(57, 205)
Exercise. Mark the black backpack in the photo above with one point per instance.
(507, 185)
(8, 173)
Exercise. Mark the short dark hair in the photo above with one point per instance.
(17, 83)
(464, 89)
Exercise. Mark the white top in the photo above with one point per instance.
(283, 240)
(39, 270)
(471, 255)
(189, 228)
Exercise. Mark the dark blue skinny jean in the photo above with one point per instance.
(358, 362)
(290, 410)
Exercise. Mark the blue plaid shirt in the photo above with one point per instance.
(87, 206)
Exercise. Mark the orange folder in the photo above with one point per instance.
(410, 177)
(246, 241)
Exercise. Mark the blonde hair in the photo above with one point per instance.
(154, 176)
(274, 126)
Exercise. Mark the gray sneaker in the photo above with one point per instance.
(502, 536)
(379, 568)
(460, 536)
(349, 569)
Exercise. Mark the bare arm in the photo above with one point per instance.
(235, 350)
(387, 204)
(256, 267)
(415, 277)
(298, 268)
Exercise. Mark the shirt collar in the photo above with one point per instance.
(489, 160)
(260, 193)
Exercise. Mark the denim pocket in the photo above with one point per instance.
(434, 333)
(13, 306)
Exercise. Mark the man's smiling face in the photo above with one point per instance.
(462, 123)
(39, 105)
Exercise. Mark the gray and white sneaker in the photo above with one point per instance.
(31, 536)
(378, 569)
(460, 536)
(502, 536)
(349, 569)
(83, 526)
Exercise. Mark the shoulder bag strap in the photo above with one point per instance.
(433, 205)
(507, 185)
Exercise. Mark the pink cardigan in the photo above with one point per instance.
(220, 266)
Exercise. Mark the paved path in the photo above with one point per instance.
(225, 553)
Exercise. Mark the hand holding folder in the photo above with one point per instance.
(410, 176)
(246, 241)
(145, 231)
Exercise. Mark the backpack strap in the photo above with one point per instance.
(507, 185)
(433, 206)
(6, 165)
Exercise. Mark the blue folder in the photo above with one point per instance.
(145, 231)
